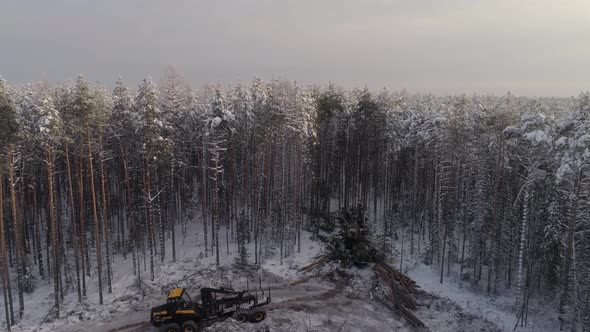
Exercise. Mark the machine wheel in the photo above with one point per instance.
(241, 316)
(258, 316)
(173, 327)
(189, 326)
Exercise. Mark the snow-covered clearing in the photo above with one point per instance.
(334, 301)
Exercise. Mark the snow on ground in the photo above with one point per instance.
(474, 302)
(291, 265)
(39, 314)
(318, 304)
(429, 281)
(192, 269)
(330, 298)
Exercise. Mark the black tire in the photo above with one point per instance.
(173, 327)
(241, 317)
(189, 326)
(258, 316)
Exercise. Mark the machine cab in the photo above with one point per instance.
(178, 299)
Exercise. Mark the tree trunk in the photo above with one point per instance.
(37, 235)
(444, 247)
(52, 222)
(5, 276)
(147, 186)
(158, 207)
(494, 227)
(566, 277)
(105, 214)
(521, 246)
(73, 219)
(132, 224)
(20, 259)
(82, 235)
(178, 209)
(204, 192)
(95, 216)
(216, 216)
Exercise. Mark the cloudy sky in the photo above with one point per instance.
(487, 46)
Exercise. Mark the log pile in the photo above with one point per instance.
(395, 289)
(398, 292)
(347, 241)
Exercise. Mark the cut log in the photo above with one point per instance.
(407, 314)
(400, 277)
(316, 263)
(401, 295)
(305, 279)
(398, 292)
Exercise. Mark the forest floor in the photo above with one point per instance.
(340, 301)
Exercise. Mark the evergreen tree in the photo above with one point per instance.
(8, 132)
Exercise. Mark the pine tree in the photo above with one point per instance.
(48, 126)
(573, 174)
(11, 161)
(81, 116)
(218, 130)
(8, 131)
(154, 148)
(534, 145)
(175, 103)
(122, 128)
(63, 102)
(103, 107)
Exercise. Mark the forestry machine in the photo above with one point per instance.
(181, 314)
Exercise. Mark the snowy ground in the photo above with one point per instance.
(473, 301)
(339, 301)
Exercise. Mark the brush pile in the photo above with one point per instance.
(347, 240)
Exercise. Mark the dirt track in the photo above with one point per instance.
(303, 297)
(314, 305)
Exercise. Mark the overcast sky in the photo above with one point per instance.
(535, 47)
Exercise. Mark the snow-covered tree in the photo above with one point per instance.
(219, 127)
(47, 127)
(9, 128)
(573, 177)
(533, 141)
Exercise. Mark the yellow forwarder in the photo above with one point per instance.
(181, 314)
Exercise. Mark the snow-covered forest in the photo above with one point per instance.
(494, 187)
